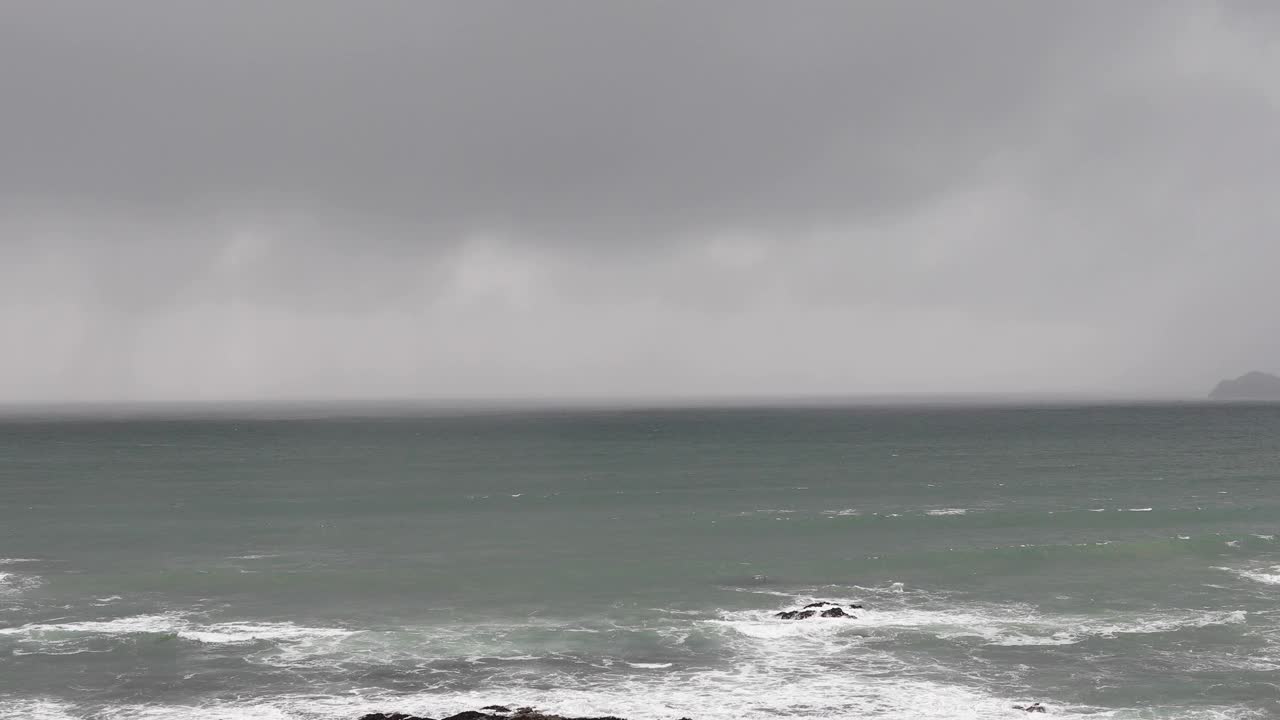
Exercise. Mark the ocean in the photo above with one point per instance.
(1111, 562)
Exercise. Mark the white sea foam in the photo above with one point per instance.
(1009, 625)
(947, 511)
(878, 699)
(116, 626)
(173, 624)
(820, 668)
(13, 583)
(282, 710)
(1146, 509)
(38, 709)
(247, 632)
(14, 561)
(710, 696)
(1270, 576)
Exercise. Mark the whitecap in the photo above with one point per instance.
(13, 583)
(248, 632)
(1011, 625)
(176, 625)
(774, 675)
(38, 709)
(946, 511)
(1271, 576)
(1146, 509)
(118, 626)
(748, 695)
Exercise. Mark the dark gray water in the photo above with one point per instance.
(1115, 562)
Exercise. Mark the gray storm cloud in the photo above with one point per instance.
(568, 199)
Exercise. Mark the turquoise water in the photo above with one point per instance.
(1111, 562)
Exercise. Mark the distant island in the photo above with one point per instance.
(1254, 386)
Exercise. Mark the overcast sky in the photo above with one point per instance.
(300, 199)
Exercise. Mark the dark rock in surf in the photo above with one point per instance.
(501, 712)
(1033, 707)
(811, 610)
(471, 715)
(796, 614)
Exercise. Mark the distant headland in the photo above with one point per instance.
(1253, 386)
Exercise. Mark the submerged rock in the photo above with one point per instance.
(1033, 707)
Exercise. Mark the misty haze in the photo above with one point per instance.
(606, 360)
(232, 201)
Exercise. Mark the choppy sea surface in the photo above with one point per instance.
(1110, 562)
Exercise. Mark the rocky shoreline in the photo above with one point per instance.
(491, 712)
(500, 712)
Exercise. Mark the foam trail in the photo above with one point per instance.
(1009, 625)
(13, 583)
(36, 710)
(1268, 578)
(709, 696)
(175, 624)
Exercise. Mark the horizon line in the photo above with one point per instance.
(319, 407)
